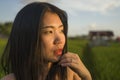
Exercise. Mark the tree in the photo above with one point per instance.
(5, 28)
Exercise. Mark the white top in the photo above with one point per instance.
(9, 77)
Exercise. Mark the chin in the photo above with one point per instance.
(55, 59)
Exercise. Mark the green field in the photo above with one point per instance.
(102, 62)
(2, 46)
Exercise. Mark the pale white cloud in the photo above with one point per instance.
(92, 26)
(100, 6)
(71, 6)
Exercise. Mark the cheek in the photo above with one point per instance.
(47, 42)
(45, 47)
(63, 39)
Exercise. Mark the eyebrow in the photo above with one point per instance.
(51, 27)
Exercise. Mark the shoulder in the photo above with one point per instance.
(9, 77)
(72, 75)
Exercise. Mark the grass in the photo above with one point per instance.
(76, 46)
(102, 62)
(107, 62)
(2, 46)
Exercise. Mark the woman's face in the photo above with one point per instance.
(53, 38)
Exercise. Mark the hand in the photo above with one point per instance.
(73, 61)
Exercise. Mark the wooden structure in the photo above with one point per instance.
(100, 37)
(118, 39)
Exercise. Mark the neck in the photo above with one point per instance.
(48, 66)
(46, 70)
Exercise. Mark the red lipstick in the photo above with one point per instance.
(58, 52)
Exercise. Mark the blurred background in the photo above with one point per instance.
(93, 32)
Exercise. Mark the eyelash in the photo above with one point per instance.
(62, 30)
(50, 31)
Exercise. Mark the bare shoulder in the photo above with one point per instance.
(9, 77)
(72, 75)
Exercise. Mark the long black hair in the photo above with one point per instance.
(22, 55)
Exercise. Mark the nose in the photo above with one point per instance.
(57, 38)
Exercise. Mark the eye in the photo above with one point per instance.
(48, 32)
(62, 31)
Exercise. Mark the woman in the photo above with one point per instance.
(37, 47)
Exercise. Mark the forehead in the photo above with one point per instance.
(51, 19)
(50, 15)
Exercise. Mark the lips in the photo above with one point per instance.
(58, 52)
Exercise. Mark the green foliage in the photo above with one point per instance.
(2, 46)
(107, 62)
(5, 28)
(76, 45)
(102, 62)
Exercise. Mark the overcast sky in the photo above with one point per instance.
(83, 15)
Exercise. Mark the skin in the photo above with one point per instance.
(53, 40)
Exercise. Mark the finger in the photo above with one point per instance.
(70, 55)
(68, 60)
(66, 55)
(70, 64)
(65, 60)
(66, 64)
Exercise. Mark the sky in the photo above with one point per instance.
(83, 15)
